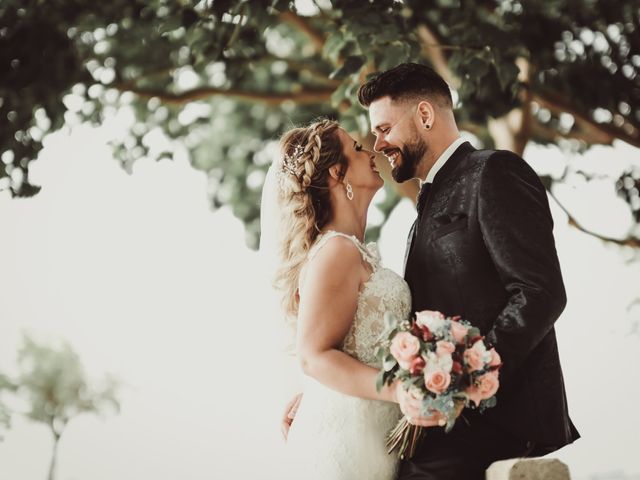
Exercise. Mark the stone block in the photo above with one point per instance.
(528, 469)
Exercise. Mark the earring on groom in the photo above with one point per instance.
(349, 191)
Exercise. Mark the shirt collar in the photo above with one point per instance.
(442, 159)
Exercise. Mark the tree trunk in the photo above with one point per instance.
(508, 132)
(52, 466)
(513, 130)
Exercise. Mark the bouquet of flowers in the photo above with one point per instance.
(442, 361)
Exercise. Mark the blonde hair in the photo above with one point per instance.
(307, 153)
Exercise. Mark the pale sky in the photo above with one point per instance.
(147, 283)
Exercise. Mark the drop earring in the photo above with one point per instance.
(349, 191)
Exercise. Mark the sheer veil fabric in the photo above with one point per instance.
(289, 376)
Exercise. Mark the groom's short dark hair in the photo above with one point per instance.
(406, 81)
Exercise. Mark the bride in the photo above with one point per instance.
(335, 292)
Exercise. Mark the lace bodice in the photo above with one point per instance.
(384, 291)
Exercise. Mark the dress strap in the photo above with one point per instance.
(325, 237)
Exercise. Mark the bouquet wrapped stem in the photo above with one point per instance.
(406, 436)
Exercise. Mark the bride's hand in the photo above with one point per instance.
(411, 407)
(289, 414)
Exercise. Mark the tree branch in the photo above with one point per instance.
(604, 133)
(470, 127)
(523, 133)
(304, 26)
(301, 97)
(627, 242)
(434, 52)
(550, 135)
(300, 66)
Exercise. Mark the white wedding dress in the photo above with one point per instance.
(336, 436)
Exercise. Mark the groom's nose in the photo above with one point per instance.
(379, 144)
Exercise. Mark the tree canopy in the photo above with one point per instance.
(224, 78)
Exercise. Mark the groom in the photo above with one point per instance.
(482, 247)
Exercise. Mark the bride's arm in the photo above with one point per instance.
(328, 302)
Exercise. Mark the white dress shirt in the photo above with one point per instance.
(442, 159)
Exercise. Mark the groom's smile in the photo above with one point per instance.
(393, 155)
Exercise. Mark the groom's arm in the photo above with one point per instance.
(517, 227)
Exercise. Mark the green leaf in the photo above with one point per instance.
(189, 17)
(220, 7)
(449, 3)
(339, 94)
(333, 46)
(477, 67)
(473, 332)
(388, 363)
(393, 54)
(390, 320)
(379, 381)
(507, 74)
(351, 65)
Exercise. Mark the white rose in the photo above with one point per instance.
(434, 321)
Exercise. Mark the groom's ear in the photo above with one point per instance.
(427, 114)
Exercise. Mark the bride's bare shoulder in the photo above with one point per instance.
(337, 260)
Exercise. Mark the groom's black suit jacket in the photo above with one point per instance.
(483, 248)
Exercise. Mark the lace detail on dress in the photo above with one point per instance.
(384, 291)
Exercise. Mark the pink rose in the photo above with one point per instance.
(485, 387)
(437, 381)
(458, 331)
(444, 348)
(417, 365)
(495, 358)
(473, 358)
(404, 348)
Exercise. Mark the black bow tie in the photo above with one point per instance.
(422, 197)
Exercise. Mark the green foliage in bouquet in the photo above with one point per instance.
(389, 363)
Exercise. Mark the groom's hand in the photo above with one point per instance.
(411, 407)
(289, 414)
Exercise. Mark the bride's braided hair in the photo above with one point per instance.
(303, 199)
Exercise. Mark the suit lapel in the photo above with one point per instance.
(444, 172)
(408, 248)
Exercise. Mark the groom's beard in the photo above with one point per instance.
(412, 154)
